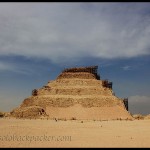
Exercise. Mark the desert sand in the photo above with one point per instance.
(74, 133)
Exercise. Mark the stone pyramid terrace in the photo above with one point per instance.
(77, 93)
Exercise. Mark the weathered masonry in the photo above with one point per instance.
(78, 93)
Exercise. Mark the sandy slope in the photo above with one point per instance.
(87, 134)
(96, 113)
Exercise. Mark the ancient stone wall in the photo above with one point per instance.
(68, 75)
(75, 86)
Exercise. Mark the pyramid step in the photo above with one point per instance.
(75, 90)
(66, 101)
(75, 82)
(76, 75)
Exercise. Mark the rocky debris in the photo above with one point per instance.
(141, 117)
(147, 117)
(28, 112)
(138, 116)
(2, 114)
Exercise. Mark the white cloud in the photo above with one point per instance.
(139, 104)
(139, 99)
(5, 66)
(66, 31)
(126, 68)
(17, 68)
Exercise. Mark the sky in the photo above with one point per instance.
(39, 40)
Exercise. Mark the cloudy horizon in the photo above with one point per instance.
(38, 40)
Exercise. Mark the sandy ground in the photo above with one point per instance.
(75, 133)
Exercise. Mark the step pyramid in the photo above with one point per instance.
(77, 93)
